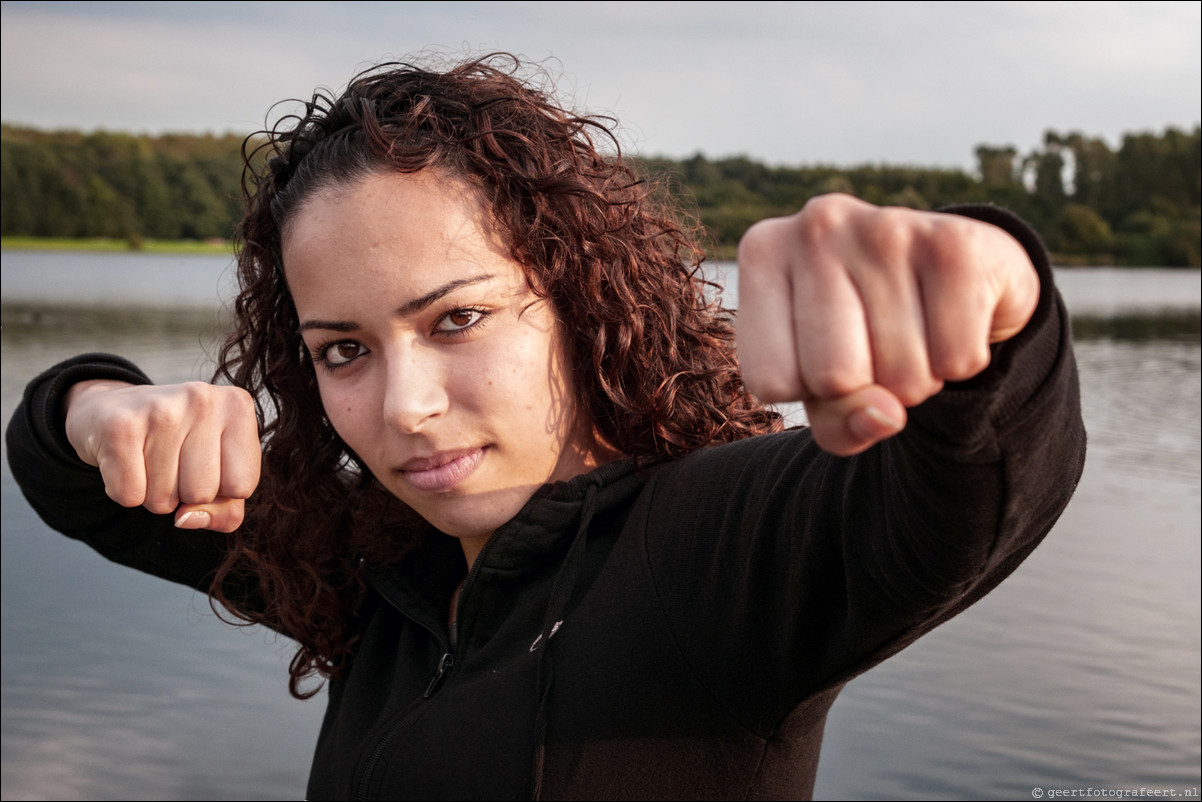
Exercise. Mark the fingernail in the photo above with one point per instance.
(872, 424)
(196, 519)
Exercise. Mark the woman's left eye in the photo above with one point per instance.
(459, 320)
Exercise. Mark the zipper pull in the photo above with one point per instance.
(444, 668)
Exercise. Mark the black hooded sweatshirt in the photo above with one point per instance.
(668, 632)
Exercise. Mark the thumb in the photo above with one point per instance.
(221, 515)
(851, 423)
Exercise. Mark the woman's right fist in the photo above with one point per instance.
(192, 449)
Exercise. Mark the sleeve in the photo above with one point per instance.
(787, 571)
(69, 495)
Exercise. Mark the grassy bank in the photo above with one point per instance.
(106, 245)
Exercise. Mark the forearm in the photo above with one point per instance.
(70, 496)
(807, 568)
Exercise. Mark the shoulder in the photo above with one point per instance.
(721, 487)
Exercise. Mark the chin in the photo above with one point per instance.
(476, 515)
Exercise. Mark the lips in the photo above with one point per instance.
(442, 471)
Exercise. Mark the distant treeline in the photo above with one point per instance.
(70, 184)
(1138, 205)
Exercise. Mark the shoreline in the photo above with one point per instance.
(111, 245)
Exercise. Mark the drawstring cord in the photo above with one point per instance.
(561, 594)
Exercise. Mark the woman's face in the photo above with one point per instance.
(436, 362)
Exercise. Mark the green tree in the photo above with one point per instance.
(1081, 230)
(996, 165)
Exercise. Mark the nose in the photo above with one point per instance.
(415, 391)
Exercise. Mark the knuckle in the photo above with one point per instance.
(948, 246)
(123, 437)
(822, 215)
(914, 391)
(123, 494)
(962, 364)
(238, 408)
(164, 415)
(239, 485)
(832, 382)
(199, 397)
(160, 504)
(887, 234)
(758, 244)
(243, 487)
(227, 515)
(773, 389)
(243, 400)
(198, 492)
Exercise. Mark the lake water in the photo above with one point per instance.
(1081, 671)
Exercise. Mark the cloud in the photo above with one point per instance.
(839, 82)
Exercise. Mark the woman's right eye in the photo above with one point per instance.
(338, 354)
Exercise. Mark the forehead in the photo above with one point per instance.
(402, 224)
(388, 205)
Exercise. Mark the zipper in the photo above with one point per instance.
(447, 660)
(475, 570)
(444, 668)
(445, 663)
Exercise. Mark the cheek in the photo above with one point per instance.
(542, 396)
(512, 370)
(344, 410)
(529, 378)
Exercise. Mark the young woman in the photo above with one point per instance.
(486, 454)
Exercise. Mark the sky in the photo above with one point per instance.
(918, 83)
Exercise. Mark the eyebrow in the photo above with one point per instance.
(405, 309)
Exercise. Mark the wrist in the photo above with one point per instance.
(79, 392)
(87, 387)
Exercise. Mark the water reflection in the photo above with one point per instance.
(27, 322)
(1183, 325)
(1081, 670)
(170, 344)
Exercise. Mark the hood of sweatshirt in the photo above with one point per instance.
(527, 578)
(543, 531)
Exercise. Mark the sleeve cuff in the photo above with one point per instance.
(1019, 366)
(43, 395)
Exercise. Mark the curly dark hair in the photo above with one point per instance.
(651, 351)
